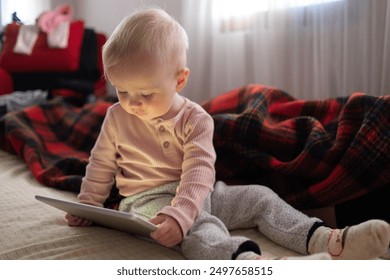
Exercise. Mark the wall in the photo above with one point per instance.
(104, 15)
(27, 10)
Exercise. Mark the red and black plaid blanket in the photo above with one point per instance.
(54, 139)
(312, 153)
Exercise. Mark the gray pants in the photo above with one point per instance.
(228, 208)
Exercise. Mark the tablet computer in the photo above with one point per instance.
(123, 221)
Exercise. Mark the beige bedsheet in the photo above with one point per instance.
(32, 230)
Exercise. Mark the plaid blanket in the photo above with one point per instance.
(312, 153)
(54, 139)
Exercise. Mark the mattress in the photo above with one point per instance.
(32, 230)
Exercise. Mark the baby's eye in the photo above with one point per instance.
(147, 95)
(121, 92)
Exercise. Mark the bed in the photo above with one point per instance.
(314, 154)
(33, 230)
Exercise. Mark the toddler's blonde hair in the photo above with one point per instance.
(149, 30)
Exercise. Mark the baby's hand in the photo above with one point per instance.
(168, 232)
(74, 221)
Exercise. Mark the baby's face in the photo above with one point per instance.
(146, 94)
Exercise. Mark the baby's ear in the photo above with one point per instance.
(182, 78)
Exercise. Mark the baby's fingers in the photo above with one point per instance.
(74, 221)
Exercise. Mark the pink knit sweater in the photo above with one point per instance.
(141, 155)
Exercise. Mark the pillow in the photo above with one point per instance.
(42, 58)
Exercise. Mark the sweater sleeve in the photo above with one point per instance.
(198, 172)
(101, 169)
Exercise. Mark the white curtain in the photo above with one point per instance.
(318, 50)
